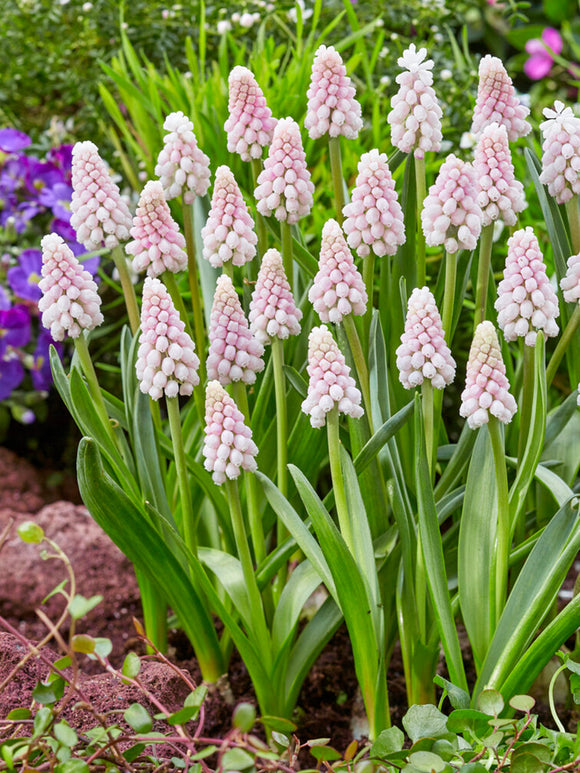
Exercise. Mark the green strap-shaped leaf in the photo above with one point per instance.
(382, 436)
(302, 583)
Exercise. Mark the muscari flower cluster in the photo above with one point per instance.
(250, 125)
(561, 152)
(182, 166)
(273, 312)
(497, 101)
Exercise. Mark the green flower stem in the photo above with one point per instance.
(187, 517)
(256, 528)
(82, 350)
(420, 237)
(428, 422)
(360, 365)
(170, 282)
(196, 297)
(368, 272)
(449, 294)
(286, 237)
(258, 618)
(261, 228)
(337, 478)
(228, 269)
(574, 221)
(281, 415)
(527, 398)
(503, 521)
(337, 180)
(563, 343)
(128, 289)
(485, 247)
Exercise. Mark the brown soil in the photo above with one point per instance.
(329, 696)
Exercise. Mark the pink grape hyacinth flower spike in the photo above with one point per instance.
(250, 125)
(526, 302)
(228, 446)
(486, 385)
(228, 234)
(70, 301)
(497, 101)
(234, 353)
(100, 215)
(182, 167)
(157, 244)
(285, 189)
(166, 360)
(501, 196)
(423, 353)
(561, 152)
(373, 217)
(330, 382)
(415, 116)
(451, 215)
(570, 283)
(332, 108)
(338, 289)
(273, 312)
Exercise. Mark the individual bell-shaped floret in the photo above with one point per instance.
(338, 289)
(501, 196)
(486, 385)
(570, 284)
(332, 107)
(157, 244)
(70, 302)
(330, 381)
(228, 446)
(497, 101)
(415, 116)
(273, 313)
(284, 186)
(182, 167)
(166, 359)
(373, 217)
(234, 353)
(451, 215)
(250, 125)
(561, 152)
(526, 302)
(100, 215)
(423, 353)
(229, 230)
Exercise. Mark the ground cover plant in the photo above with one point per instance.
(235, 504)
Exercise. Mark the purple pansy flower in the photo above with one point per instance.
(542, 52)
(14, 328)
(24, 278)
(41, 175)
(12, 140)
(40, 371)
(4, 300)
(57, 197)
(11, 376)
(62, 158)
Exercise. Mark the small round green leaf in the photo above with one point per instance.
(72, 766)
(65, 734)
(522, 702)
(19, 714)
(83, 643)
(80, 606)
(427, 762)
(324, 753)
(137, 717)
(490, 702)
(29, 531)
(131, 665)
(244, 717)
(237, 759)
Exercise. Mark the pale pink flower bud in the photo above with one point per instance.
(250, 125)
(338, 289)
(234, 353)
(332, 107)
(486, 385)
(423, 353)
(561, 152)
(99, 213)
(158, 245)
(229, 230)
(570, 284)
(497, 101)
(273, 313)
(526, 302)
(166, 359)
(228, 446)
(373, 217)
(451, 215)
(182, 166)
(70, 301)
(415, 116)
(501, 196)
(284, 185)
(330, 381)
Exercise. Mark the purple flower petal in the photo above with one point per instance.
(14, 328)
(11, 376)
(535, 46)
(538, 66)
(4, 300)
(12, 140)
(24, 278)
(40, 373)
(553, 39)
